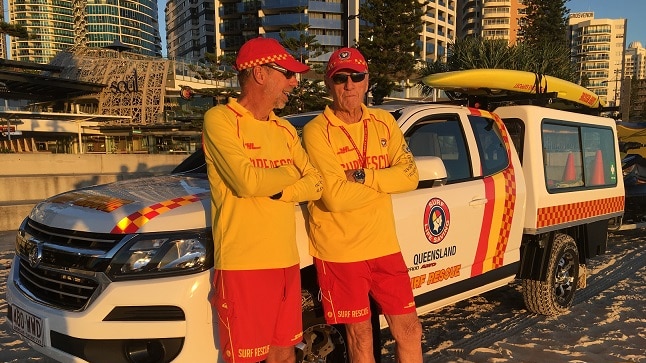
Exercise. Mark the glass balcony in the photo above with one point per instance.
(597, 30)
(228, 10)
(596, 40)
(326, 24)
(248, 6)
(233, 42)
(283, 4)
(324, 7)
(284, 20)
(330, 40)
(588, 67)
(230, 27)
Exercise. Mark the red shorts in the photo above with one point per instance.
(345, 287)
(256, 309)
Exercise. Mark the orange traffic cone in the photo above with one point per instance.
(569, 174)
(598, 177)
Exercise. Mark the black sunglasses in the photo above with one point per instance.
(342, 78)
(285, 72)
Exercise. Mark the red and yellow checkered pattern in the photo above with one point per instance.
(510, 198)
(136, 220)
(507, 217)
(498, 216)
(564, 213)
(262, 60)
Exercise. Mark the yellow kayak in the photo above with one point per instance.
(502, 81)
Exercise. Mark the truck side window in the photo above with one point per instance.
(599, 155)
(578, 156)
(442, 138)
(516, 130)
(562, 156)
(491, 148)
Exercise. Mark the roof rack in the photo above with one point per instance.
(491, 101)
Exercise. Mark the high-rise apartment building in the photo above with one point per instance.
(469, 18)
(491, 19)
(635, 59)
(439, 28)
(190, 28)
(62, 24)
(50, 26)
(597, 47)
(237, 21)
(3, 43)
(334, 23)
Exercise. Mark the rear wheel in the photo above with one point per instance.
(322, 343)
(555, 295)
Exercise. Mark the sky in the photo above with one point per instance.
(161, 5)
(633, 10)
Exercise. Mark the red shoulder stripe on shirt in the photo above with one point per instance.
(284, 128)
(238, 115)
(327, 127)
(374, 118)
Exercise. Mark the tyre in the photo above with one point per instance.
(555, 295)
(322, 343)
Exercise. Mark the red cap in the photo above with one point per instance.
(259, 51)
(346, 58)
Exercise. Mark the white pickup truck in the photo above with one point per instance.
(122, 272)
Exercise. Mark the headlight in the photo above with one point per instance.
(160, 255)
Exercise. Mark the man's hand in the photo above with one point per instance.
(349, 174)
(355, 175)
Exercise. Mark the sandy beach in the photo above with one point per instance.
(606, 324)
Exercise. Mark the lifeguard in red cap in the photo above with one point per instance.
(257, 170)
(363, 157)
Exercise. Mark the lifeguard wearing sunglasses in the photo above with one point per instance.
(343, 78)
(363, 158)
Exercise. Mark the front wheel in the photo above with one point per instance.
(555, 295)
(322, 343)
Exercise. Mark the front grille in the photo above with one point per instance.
(59, 289)
(61, 268)
(99, 242)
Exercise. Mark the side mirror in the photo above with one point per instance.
(432, 172)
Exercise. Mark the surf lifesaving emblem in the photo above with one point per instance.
(437, 220)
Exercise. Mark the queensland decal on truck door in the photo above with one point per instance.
(439, 246)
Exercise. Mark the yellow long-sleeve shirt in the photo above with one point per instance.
(352, 221)
(247, 162)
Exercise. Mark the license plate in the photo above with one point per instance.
(27, 325)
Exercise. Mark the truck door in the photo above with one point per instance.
(439, 227)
